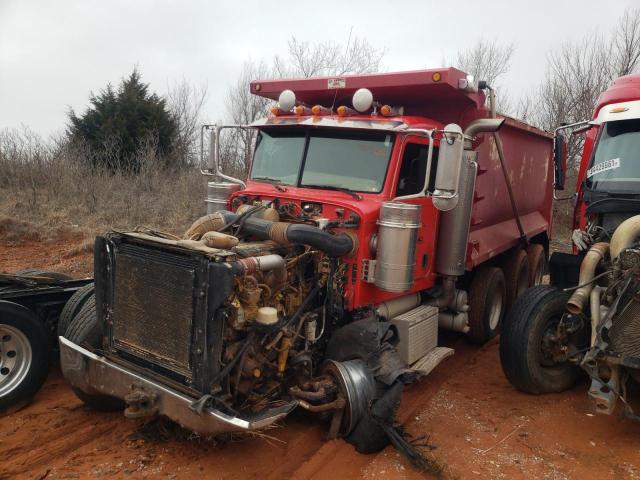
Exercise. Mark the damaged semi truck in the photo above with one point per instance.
(378, 209)
(589, 317)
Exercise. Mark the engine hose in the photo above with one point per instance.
(333, 245)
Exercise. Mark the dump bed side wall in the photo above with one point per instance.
(529, 157)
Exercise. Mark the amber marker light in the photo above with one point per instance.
(618, 110)
(299, 110)
(316, 109)
(436, 77)
(386, 110)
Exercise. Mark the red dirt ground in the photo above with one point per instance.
(481, 427)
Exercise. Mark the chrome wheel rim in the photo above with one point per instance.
(496, 309)
(15, 358)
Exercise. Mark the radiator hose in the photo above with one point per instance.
(281, 232)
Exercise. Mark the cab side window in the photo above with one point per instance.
(412, 170)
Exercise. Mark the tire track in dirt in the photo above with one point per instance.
(59, 445)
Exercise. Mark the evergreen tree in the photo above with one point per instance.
(119, 123)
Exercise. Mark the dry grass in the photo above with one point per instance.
(47, 188)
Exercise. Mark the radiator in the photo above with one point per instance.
(153, 307)
(624, 333)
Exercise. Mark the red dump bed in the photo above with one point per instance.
(529, 157)
(443, 95)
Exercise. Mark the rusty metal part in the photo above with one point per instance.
(313, 396)
(338, 404)
(249, 297)
(595, 254)
(140, 404)
(336, 422)
(594, 302)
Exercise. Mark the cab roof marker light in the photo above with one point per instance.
(389, 111)
(301, 110)
(320, 110)
(344, 111)
(362, 100)
(287, 100)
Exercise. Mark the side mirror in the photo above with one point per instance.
(559, 161)
(213, 168)
(445, 194)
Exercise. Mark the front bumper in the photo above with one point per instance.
(95, 375)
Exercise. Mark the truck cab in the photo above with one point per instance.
(588, 318)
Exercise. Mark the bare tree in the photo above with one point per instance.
(577, 73)
(185, 102)
(307, 59)
(626, 43)
(304, 59)
(486, 60)
(242, 109)
(489, 61)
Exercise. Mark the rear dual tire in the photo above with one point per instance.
(487, 299)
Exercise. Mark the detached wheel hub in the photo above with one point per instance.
(356, 385)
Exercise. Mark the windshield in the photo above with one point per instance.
(615, 164)
(351, 160)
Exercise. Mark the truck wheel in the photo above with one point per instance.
(534, 316)
(84, 329)
(487, 296)
(352, 352)
(35, 272)
(73, 306)
(516, 274)
(537, 263)
(25, 354)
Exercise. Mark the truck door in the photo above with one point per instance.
(409, 181)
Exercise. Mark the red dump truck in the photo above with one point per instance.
(589, 317)
(378, 209)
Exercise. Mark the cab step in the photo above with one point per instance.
(431, 360)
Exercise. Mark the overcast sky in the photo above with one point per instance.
(54, 53)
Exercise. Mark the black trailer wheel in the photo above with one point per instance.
(537, 263)
(526, 331)
(36, 272)
(84, 329)
(515, 267)
(487, 297)
(25, 354)
(73, 306)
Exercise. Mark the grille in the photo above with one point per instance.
(624, 333)
(153, 307)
